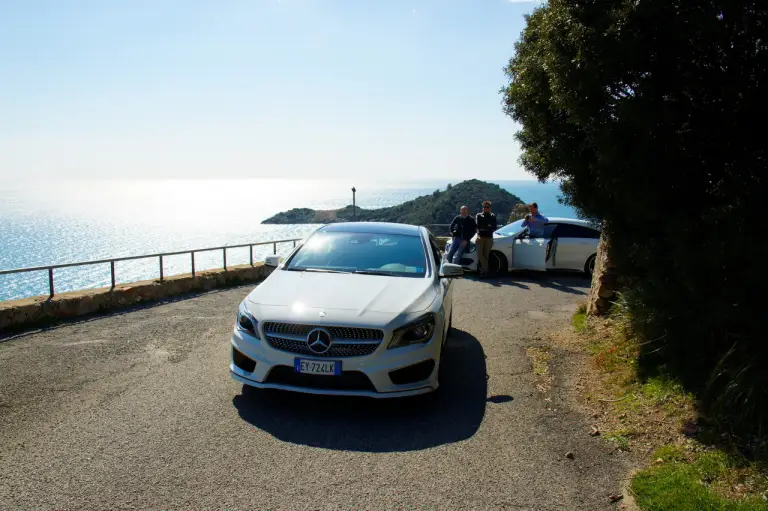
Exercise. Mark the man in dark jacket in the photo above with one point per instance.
(486, 226)
(463, 228)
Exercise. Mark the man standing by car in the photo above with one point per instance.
(486, 226)
(462, 229)
(535, 221)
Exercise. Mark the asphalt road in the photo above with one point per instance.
(136, 410)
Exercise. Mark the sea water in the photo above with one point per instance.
(69, 221)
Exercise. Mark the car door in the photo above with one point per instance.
(575, 244)
(530, 252)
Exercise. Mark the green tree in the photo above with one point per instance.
(650, 112)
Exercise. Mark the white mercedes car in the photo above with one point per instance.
(565, 244)
(359, 309)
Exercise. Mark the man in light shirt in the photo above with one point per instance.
(535, 221)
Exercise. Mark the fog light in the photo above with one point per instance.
(243, 362)
(413, 373)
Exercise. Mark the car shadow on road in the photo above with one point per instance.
(566, 282)
(380, 425)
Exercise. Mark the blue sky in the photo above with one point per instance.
(260, 88)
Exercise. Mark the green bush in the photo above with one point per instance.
(650, 113)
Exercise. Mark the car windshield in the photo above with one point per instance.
(365, 253)
(511, 229)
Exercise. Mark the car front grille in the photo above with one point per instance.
(291, 337)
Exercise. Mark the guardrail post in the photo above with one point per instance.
(224, 251)
(50, 282)
(112, 272)
(161, 268)
(251, 249)
(192, 254)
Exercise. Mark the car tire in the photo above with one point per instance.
(589, 266)
(497, 263)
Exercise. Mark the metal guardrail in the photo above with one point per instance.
(160, 256)
(437, 225)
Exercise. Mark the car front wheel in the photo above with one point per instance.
(497, 263)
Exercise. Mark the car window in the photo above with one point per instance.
(395, 254)
(545, 233)
(575, 231)
(435, 251)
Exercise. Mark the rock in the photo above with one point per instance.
(615, 498)
(659, 461)
(595, 431)
(570, 455)
(689, 429)
(605, 292)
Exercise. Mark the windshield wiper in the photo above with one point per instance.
(317, 270)
(376, 272)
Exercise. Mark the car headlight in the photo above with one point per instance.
(246, 322)
(416, 332)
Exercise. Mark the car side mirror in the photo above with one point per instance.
(273, 261)
(451, 271)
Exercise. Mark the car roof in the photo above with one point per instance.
(374, 228)
(573, 221)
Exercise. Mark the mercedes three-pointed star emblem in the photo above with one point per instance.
(319, 340)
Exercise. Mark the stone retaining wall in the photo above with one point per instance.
(37, 310)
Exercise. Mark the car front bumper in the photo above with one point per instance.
(367, 376)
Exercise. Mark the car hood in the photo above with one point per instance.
(339, 291)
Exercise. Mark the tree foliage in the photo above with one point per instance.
(651, 112)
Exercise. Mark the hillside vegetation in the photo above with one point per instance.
(440, 207)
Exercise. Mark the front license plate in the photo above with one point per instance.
(329, 367)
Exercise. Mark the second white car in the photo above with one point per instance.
(566, 244)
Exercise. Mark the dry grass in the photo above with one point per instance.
(656, 419)
(539, 357)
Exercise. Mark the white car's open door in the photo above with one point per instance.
(530, 254)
